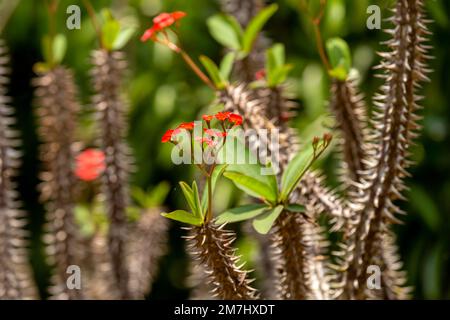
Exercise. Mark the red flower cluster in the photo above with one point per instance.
(232, 118)
(260, 74)
(161, 22)
(90, 164)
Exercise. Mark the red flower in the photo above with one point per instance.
(260, 75)
(177, 15)
(235, 118)
(222, 116)
(208, 141)
(215, 133)
(150, 33)
(90, 164)
(163, 20)
(187, 125)
(207, 117)
(169, 135)
(160, 22)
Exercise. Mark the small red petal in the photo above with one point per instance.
(150, 33)
(235, 118)
(167, 136)
(261, 74)
(215, 133)
(90, 164)
(163, 20)
(187, 125)
(221, 116)
(177, 15)
(207, 117)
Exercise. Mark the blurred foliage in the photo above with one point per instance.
(163, 92)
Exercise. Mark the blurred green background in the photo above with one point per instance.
(163, 92)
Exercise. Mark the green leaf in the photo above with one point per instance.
(279, 75)
(189, 195)
(293, 207)
(198, 204)
(295, 170)
(217, 173)
(245, 162)
(225, 30)
(184, 216)
(213, 72)
(123, 37)
(275, 56)
(110, 31)
(255, 26)
(84, 220)
(159, 193)
(227, 65)
(241, 213)
(59, 48)
(340, 58)
(264, 222)
(252, 186)
(153, 198)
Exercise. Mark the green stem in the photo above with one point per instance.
(196, 69)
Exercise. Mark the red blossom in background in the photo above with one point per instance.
(207, 117)
(222, 116)
(167, 136)
(90, 164)
(235, 119)
(208, 141)
(215, 133)
(161, 22)
(187, 125)
(260, 75)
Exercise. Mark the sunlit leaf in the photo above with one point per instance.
(263, 223)
(225, 30)
(213, 71)
(340, 58)
(242, 213)
(252, 186)
(256, 25)
(184, 216)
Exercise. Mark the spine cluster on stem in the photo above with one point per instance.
(16, 281)
(395, 126)
(57, 107)
(107, 77)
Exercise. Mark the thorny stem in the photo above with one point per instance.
(91, 13)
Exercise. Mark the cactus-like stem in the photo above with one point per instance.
(16, 281)
(146, 246)
(210, 245)
(350, 112)
(299, 277)
(107, 77)
(395, 126)
(56, 108)
(98, 269)
(238, 99)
